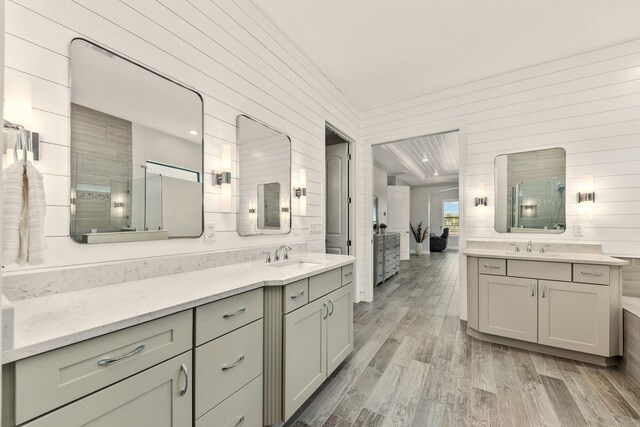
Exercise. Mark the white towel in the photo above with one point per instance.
(37, 207)
(24, 209)
(11, 212)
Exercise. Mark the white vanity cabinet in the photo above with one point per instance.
(563, 308)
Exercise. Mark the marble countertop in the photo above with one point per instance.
(49, 322)
(586, 258)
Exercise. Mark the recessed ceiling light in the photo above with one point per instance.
(425, 160)
(435, 173)
(193, 132)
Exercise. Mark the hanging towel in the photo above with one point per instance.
(24, 209)
(12, 183)
(33, 194)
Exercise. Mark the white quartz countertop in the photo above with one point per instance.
(586, 258)
(49, 322)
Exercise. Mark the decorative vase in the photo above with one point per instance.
(419, 248)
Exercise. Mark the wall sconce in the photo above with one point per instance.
(18, 122)
(481, 199)
(301, 191)
(586, 197)
(223, 178)
(252, 211)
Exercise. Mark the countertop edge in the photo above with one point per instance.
(606, 260)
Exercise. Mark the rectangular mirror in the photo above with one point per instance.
(530, 192)
(136, 151)
(264, 175)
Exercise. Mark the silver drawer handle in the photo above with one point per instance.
(544, 289)
(237, 313)
(240, 421)
(491, 266)
(185, 372)
(301, 293)
(105, 362)
(348, 274)
(237, 363)
(588, 273)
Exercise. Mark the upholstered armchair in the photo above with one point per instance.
(439, 243)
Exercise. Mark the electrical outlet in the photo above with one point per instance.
(578, 230)
(210, 232)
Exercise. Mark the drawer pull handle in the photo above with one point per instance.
(348, 274)
(533, 293)
(185, 372)
(238, 362)
(332, 307)
(324, 305)
(109, 361)
(589, 273)
(544, 288)
(240, 421)
(237, 313)
(491, 266)
(301, 293)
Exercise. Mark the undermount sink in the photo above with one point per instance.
(295, 263)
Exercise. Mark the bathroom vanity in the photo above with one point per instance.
(245, 344)
(560, 299)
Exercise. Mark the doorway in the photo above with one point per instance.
(415, 195)
(338, 202)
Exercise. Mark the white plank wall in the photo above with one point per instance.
(227, 50)
(586, 103)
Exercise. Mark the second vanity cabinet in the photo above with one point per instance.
(557, 304)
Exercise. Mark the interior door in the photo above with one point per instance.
(337, 206)
(398, 215)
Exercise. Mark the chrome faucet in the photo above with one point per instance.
(529, 246)
(542, 248)
(286, 252)
(516, 249)
(268, 256)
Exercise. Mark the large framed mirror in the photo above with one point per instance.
(136, 151)
(530, 192)
(264, 175)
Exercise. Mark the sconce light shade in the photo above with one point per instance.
(17, 101)
(586, 197)
(301, 192)
(223, 178)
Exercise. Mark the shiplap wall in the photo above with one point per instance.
(227, 50)
(588, 103)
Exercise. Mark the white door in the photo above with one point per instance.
(508, 307)
(574, 316)
(337, 206)
(398, 216)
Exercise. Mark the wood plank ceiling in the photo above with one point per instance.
(422, 160)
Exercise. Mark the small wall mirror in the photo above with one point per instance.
(264, 174)
(530, 192)
(136, 151)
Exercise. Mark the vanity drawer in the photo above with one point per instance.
(539, 270)
(295, 295)
(220, 317)
(497, 267)
(244, 409)
(591, 273)
(347, 274)
(52, 379)
(225, 365)
(324, 283)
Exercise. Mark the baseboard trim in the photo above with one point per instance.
(539, 348)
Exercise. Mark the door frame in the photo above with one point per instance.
(351, 186)
(366, 291)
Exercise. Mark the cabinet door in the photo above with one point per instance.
(574, 316)
(151, 398)
(305, 353)
(508, 307)
(339, 327)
